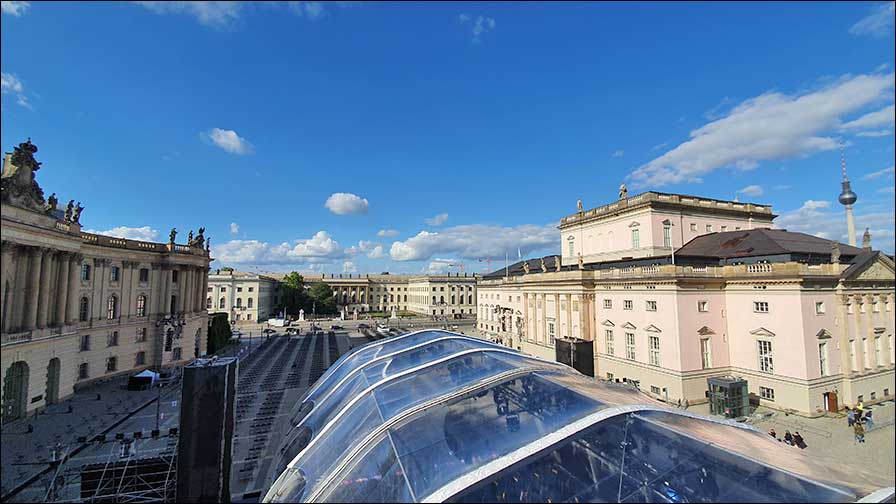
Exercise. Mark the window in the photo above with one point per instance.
(112, 339)
(141, 334)
(609, 341)
(737, 228)
(85, 272)
(709, 228)
(223, 289)
(610, 376)
(140, 359)
(823, 358)
(861, 307)
(111, 364)
(875, 307)
(627, 304)
(84, 309)
(760, 306)
(636, 238)
(767, 393)
(572, 248)
(113, 273)
(861, 398)
(174, 275)
(208, 303)
(724, 228)
(176, 353)
(239, 302)
(551, 332)
(630, 346)
(249, 303)
(819, 307)
(83, 371)
(849, 308)
(141, 305)
(221, 303)
(877, 357)
(654, 390)
(239, 289)
(85, 343)
(667, 236)
(251, 289)
(766, 364)
(873, 396)
(703, 306)
(651, 305)
(693, 226)
(706, 352)
(608, 304)
(144, 274)
(654, 344)
(112, 307)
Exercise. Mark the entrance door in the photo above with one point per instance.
(52, 394)
(15, 392)
(830, 402)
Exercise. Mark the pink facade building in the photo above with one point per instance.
(806, 322)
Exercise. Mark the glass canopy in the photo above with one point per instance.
(435, 416)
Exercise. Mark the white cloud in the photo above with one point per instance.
(372, 249)
(10, 84)
(437, 266)
(229, 141)
(752, 190)
(438, 220)
(877, 24)
(349, 267)
(346, 203)
(769, 127)
(876, 133)
(215, 14)
(888, 189)
(483, 24)
(619, 153)
(880, 118)
(144, 233)
(822, 219)
(320, 248)
(387, 232)
(475, 241)
(313, 10)
(879, 173)
(377, 252)
(234, 228)
(14, 8)
(659, 146)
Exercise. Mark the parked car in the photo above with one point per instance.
(268, 331)
(336, 327)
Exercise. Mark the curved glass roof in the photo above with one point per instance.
(437, 416)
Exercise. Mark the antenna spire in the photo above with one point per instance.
(842, 159)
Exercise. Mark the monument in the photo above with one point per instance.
(301, 315)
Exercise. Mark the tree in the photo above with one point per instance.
(219, 332)
(294, 296)
(322, 296)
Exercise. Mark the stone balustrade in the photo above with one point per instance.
(123, 243)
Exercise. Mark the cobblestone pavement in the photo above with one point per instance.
(829, 438)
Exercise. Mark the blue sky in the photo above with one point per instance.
(406, 137)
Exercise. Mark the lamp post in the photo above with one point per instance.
(173, 326)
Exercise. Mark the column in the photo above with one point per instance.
(74, 269)
(528, 335)
(7, 288)
(199, 302)
(181, 289)
(569, 315)
(44, 287)
(32, 288)
(186, 289)
(127, 283)
(99, 278)
(61, 289)
(155, 281)
(164, 295)
(544, 319)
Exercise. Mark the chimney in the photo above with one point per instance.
(866, 240)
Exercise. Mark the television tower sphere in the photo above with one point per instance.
(847, 197)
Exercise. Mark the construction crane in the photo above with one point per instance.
(488, 261)
(457, 265)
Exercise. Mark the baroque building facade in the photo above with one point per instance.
(78, 307)
(808, 323)
(244, 297)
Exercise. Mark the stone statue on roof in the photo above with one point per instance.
(556, 263)
(866, 239)
(17, 184)
(835, 252)
(51, 203)
(623, 192)
(200, 236)
(526, 267)
(579, 206)
(208, 244)
(68, 210)
(581, 262)
(544, 268)
(76, 213)
(190, 238)
(172, 235)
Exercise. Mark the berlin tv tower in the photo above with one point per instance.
(847, 198)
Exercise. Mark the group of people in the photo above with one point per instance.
(860, 420)
(794, 439)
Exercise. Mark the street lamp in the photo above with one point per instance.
(173, 327)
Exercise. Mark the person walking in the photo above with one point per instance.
(788, 437)
(772, 433)
(850, 416)
(798, 441)
(859, 432)
(869, 422)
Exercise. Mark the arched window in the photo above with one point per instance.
(141, 305)
(441, 299)
(208, 303)
(433, 300)
(239, 302)
(221, 303)
(112, 307)
(84, 309)
(470, 300)
(249, 303)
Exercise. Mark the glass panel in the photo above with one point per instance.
(378, 478)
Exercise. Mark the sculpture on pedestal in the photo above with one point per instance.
(581, 262)
(557, 263)
(623, 192)
(76, 214)
(172, 235)
(68, 210)
(835, 252)
(526, 267)
(51, 203)
(190, 238)
(17, 185)
(544, 268)
(579, 206)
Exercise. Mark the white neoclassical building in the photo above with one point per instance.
(77, 307)
(244, 297)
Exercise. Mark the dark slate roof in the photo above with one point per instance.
(760, 242)
(862, 262)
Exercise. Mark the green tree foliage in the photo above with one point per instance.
(219, 332)
(293, 295)
(322, 296)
